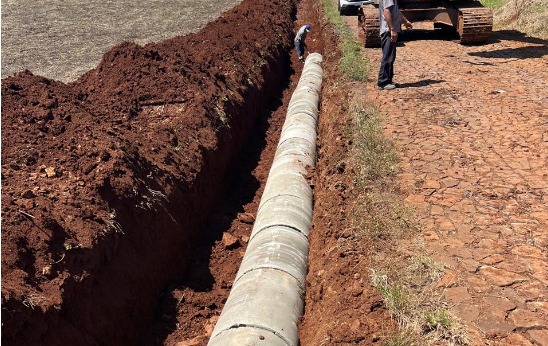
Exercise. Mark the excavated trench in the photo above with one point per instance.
(119, 187)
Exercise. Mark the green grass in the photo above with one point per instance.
(438, 319)
(395, 297)
(408, 288)
(492, 3)
(352, 63)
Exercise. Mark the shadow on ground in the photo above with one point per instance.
(437, 34)
(420, 83)
(539, 49)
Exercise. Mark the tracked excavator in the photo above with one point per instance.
(473, 22)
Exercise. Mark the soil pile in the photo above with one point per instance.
(106, 180)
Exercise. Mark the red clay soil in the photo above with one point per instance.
(107, 181)
(188, 311)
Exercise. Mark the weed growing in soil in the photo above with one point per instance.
(395, 297)
(33, 300)
(409, 288)
(408, 285)
(352, 63)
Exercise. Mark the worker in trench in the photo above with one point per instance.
(300, 44)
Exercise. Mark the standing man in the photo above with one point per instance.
(391, 20)
(300, 45)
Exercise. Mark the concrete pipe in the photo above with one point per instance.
(289, 211)
(278, 248)
(267, 297)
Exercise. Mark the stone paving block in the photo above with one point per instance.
(493, 246)
(470, 265)
(493, 259)
(488, 136)
(466, 207)
(501, 277)
(466, 311)
(516, 265)
(458, 252)
(526, 250)
(445, 224)
(500, 304)
(457, 295)
(539, 337)
(430, 236)
(466, 237)
(437, 210)
(493, 322)
(515, 339)
(449, 182)
(453, 242)
(478, 285)
(531, 290)
(480, 253)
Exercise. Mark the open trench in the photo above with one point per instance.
(108, 292)
(189, 309)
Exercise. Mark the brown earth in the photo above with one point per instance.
(113, 185)
(108, 180)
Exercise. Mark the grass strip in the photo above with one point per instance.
(352, 63)
(384, 226)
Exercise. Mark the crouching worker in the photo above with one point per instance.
(300, 38)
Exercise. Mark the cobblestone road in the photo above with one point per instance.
(471, 126)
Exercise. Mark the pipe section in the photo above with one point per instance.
(267, 297)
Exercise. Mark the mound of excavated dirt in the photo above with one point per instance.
(107, 180)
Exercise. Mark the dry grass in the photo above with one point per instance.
(63, 39)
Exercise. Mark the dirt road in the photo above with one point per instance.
(471, 126)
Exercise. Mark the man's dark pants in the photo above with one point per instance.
(386, 72)
(299, 47)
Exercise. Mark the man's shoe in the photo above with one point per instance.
(386, 87)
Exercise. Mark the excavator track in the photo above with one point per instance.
(368, 19)
(475, 24)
